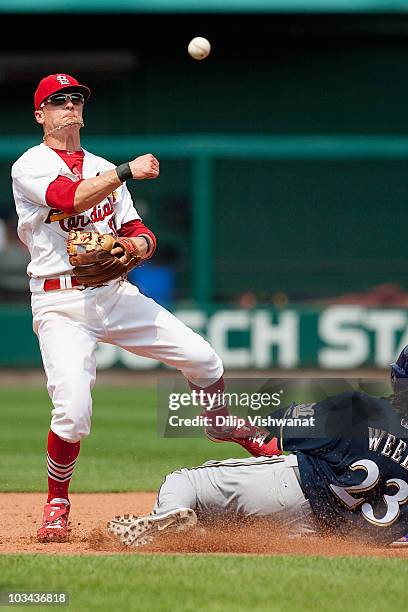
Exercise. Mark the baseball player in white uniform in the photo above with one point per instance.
(58, 186)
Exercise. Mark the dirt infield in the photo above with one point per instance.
(20, 515)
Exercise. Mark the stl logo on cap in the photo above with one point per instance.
(63, 79)
(55, 82)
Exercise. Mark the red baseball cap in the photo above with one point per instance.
(56, 82)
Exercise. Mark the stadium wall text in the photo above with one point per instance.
(342, 337)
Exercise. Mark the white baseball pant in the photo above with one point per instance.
(252, 487)
(70, 323)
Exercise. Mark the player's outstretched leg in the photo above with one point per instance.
(139, 531)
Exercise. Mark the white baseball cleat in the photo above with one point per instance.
(118, 522)
(139, 531)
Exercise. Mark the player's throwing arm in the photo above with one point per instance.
(92, 191)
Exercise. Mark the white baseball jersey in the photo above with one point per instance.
(45, 230)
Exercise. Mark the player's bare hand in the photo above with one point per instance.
(145, 167)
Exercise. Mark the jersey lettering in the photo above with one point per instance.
(78, 222)
(69, 222)
(392, 502)
(374, 438)
(393, 447)
(56, 215)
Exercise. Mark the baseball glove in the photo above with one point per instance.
(90, 255)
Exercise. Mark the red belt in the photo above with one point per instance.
(53, 284)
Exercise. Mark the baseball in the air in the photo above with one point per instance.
(199, 48)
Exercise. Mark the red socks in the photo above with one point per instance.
(61, 458)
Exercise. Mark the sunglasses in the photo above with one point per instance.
(58, 99)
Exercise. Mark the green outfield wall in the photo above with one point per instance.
(203, 6)
(335, 337)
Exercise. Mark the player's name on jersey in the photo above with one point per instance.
(234, 421)
(388, 445)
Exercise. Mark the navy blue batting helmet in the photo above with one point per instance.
(399, 371)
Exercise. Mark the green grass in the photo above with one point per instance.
(123, 452)
(213, 583)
